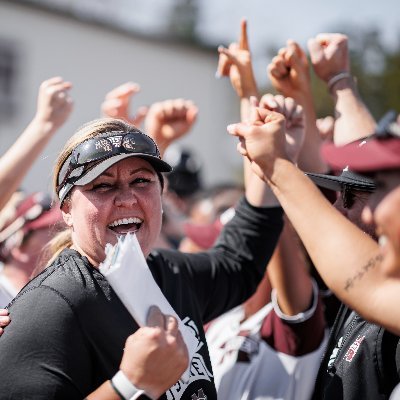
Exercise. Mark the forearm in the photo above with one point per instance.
(258, 193)
(104, 392)
(17, 161)
(353, 119)
(288, 274)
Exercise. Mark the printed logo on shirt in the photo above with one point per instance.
(335, 352)
(198, 370)
(353, 349)
(200, 395)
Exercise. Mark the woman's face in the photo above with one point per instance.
(383, 209)
(125, 198)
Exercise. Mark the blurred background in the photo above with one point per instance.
(169, 48)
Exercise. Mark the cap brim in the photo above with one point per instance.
(364, 155)
(158, 164)
(336, 183)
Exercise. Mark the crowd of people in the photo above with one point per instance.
(287, 280)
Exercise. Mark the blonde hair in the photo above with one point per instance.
(91, 129)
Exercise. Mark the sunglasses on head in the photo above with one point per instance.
(92, 151)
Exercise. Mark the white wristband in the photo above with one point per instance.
(124, 387)
(337, 78)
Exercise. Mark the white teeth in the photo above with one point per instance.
(125, 221)
(383, 240)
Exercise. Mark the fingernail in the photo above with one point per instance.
(217, 75)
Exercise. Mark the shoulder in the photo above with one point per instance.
(70, 277)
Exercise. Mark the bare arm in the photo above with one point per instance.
(330, 60)
(287, 269)
(290, 76)
(347, 259)
(54, 105)
(288, 274)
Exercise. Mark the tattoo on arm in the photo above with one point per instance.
(372, 263)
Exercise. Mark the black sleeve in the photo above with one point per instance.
(34, 360)
(229, 273)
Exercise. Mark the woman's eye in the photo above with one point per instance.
(141, 181)
(102, 187)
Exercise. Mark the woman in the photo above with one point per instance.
(69, 328)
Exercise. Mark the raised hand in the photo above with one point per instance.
(169, 120)
(329, 55)
(262, 140)
(155, 357)
(326, 127)
(236, 63)
(295, 127)
(289, 72)
(54, 104)
(117, 102)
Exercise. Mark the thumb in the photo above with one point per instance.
(155, 317)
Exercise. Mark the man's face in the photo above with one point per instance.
(383, 209)
(351, 203)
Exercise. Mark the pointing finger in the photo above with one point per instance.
(243, 40)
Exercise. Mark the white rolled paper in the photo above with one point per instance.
(126, 269)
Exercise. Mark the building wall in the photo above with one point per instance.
(96, 59)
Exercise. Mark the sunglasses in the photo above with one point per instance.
(89, 153)
(349, 196)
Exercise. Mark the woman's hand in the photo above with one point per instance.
(4, 319)
(236, 63)
(295, 124)
(289, 72)
(155, 356)
(117, 101)
(54, 105)
(169, 120)
(262, 140)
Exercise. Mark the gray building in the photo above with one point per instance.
(96, 54)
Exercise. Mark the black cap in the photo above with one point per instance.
(347, 178)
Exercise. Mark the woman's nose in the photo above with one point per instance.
(125, 198)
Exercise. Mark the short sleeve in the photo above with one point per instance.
(43, 354)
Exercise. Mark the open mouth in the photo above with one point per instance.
(125, 225)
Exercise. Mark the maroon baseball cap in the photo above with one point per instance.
(205, 235)
(380, 151)
(30, 214)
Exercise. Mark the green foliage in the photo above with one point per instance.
(375, 68)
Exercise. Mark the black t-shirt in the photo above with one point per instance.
(69, 328)
(361, 361)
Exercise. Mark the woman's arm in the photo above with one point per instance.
(54, 106)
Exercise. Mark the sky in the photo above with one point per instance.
(271, 23)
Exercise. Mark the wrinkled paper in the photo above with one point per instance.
(126, 270)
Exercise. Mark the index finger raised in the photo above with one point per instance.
(243, 40)
(155, 318)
